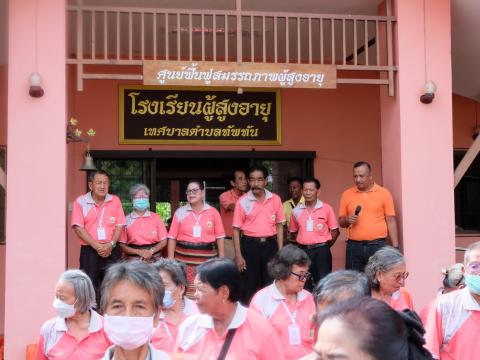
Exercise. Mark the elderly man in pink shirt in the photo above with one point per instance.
(228, 199)
(259, 215)
(98, 220)
(453, 326)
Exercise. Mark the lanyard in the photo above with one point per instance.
(167, 330)
(290, 315)
(100, 221)
(197, 219)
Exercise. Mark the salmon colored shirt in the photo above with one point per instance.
(271, 304)
(323, 221)
(185, 219)
(258, 219)
(254, 338)
(166, 334)
(453, 329)
(56, 342)
(90, 216)
(401, 300)
(226, 199)
(376, 203)
(144, 230)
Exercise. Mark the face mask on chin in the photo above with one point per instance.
(63, 309)
(129, 332)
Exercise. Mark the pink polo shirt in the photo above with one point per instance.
(144, 230)
(166, 334)
(56, 342)
(254, 338)
(226, 199)
(401, 300)
(270, 303)
(258, 219)
(452, 330)
(323, 221)
(90, 216)
(185, 219)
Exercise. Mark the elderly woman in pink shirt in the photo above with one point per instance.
(386, 271)
(77, 331)
(286, 305)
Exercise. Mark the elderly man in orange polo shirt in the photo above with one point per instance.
(368, 214)
(228, 199)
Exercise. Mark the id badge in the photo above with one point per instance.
(197, 231)
(310, 225)
(294, 337)
(101, 233)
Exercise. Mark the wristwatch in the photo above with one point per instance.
(114, 243)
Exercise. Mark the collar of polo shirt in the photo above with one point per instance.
(206, 321)
(188, 207)
(318, 205)
(468, 302)
(96, 323)
(90, 200)
(134, 214)
(277, 295)
(252, 197)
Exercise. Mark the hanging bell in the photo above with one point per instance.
(88, 164)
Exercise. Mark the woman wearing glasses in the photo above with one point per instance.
(286, 305)
(196, 233)
(386, 271)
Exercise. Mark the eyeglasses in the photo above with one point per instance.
(302, 277)
(474, 268)
(192, 191)
(401, 276)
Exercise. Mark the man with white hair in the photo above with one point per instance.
(454, 326)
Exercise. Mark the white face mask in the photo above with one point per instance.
(64, 310)
(129, 332)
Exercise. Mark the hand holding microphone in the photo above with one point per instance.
(352, 219)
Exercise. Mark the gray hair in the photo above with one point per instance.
(470, 248)
(454, 276)
(174, 268)
(83, 288)
(138, 273)
(340, 285)
(138, 187)
(383, 260)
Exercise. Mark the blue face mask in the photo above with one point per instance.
(168, 300)
(473, 283)
(141, 204)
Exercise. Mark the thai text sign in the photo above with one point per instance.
(205, 73)
(159, 115)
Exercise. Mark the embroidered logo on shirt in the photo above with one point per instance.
(112, 219)
(319, 226)
(273, 217)
(209, 224)
(154, 232)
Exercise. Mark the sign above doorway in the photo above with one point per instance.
(232, 74)
(153, 115)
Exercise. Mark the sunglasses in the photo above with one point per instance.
(302, 277)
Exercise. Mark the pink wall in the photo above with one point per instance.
(3, 141)
(417, 144)
(311, 120)
(35, 243)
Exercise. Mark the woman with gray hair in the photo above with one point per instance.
(132, 294)
(77, 331)
(176, 307)
(386, 271)
(145, 234)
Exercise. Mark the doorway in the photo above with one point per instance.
(166, 173)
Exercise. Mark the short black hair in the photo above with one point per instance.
(293, 179)
(94, 173)
(197, 181)
(281, 264)
(363, 163)
(232, 175)
(220, 272)
(381, 331)
(311, 179)
(258, 167)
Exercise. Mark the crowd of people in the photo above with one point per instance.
(253, 281)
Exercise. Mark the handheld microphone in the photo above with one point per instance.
(358, 209)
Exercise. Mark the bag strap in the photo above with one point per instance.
(226, 344)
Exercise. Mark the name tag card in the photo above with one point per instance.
(294, 337)
(310, 225)
(101, 233)
(197, 231)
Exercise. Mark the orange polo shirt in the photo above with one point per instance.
(376, 203)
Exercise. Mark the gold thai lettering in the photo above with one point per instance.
(171, 104)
